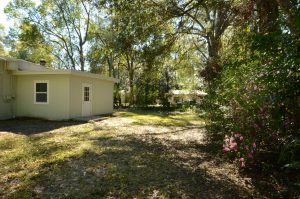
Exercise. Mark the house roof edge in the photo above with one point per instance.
(67, 72)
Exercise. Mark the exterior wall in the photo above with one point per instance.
(7, 92)
(102, 96)
(59, 97)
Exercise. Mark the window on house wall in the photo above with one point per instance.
(41, 92)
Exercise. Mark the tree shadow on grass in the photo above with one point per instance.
(274, 182)
(127, 167)
(30, 126)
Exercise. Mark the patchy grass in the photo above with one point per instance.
(131, 155)
(163, 118)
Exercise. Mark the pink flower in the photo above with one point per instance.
(226, 140)
(231, 140)
(226, 149)
(233, 145)
(241, 138)
(242, 161)
(237, 135)
(254, 145)
(243, 164)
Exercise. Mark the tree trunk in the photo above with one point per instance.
(267, 13)
(131, 86)
(73, 63)
(146, 94)
(110, 62)
(130, 69)
(219, 23)
(213, 67)
(81, 59)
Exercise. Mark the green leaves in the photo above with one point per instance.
(256, 94)
(18, 8)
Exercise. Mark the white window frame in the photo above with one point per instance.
(34, 91)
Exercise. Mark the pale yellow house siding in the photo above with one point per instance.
(65, 92)
(7, 92)
(102, 95)
(59, 97)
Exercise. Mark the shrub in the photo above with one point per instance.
(257, 94)
(239, 149)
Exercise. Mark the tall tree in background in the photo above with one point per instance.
(2, 39)
(103, 49)
(28, 43)
(206, 19)
(64, 25)
(140, 36)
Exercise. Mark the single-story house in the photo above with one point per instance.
(32, 90)
(182, 96)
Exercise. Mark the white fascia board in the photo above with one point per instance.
(67, 72)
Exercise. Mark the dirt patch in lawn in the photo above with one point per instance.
(30, 126)
(130, 155)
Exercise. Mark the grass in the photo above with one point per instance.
(163, 118)
(131, 155)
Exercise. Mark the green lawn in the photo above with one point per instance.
(129, 155)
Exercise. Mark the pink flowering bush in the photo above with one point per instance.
(238, 149)
(252, 108)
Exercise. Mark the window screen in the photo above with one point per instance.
(41, 87)
(41, 92)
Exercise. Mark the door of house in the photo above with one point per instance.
(86, 100)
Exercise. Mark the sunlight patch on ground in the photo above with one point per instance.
(130, 155)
